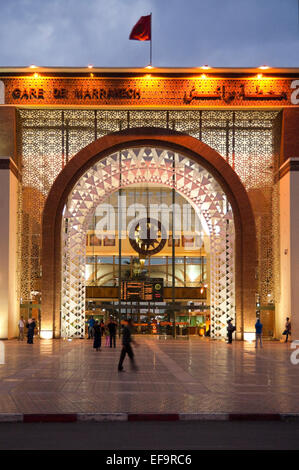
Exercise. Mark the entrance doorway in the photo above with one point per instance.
(148, 233)
(148, 274)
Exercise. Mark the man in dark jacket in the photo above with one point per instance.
(31, 327)
(112, 332)
(127, 348)
(230, 329)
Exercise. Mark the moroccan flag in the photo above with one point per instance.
(142, 30)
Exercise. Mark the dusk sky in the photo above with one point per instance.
(185, 33)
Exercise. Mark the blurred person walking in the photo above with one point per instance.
(127, 340)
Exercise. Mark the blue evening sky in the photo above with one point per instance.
(185, 32)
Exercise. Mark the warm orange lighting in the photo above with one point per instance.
(32, 66)
(205, 67)
(36, 75)
(249, 336)
(91, 74)
(90, 66)
(260, 75)
(46, 334)
(203, 76)
(264, 67)
(149, 66)
(148, 76)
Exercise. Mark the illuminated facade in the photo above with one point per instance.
(225, 144)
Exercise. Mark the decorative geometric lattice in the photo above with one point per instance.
(152, 166)
(248, 140)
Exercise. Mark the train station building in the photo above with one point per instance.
(167, 195)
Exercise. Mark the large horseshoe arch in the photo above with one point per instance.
(245, 242)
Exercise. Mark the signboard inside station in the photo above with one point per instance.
(150, 290)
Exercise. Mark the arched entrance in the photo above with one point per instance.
(197, 166)
(155, 166)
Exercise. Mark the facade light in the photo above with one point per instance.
(205, 67)
(249, 336)
(46, 334)
(264, 67)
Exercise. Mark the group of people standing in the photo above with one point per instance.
(30, 325)
(96, 330)
(258, 332)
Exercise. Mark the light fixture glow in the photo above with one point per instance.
(149, 66)
(46, 334)
(32, 66)
(249, 336)
(193, 273)
(260, 75)
(205, 67)
(90, 66)
(264, 67)
(36, 75)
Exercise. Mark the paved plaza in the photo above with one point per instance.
(174, 376)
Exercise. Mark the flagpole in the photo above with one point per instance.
(151, 47)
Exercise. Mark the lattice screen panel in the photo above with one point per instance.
(49, 138)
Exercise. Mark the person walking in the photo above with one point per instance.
(258, 333)
(21, 326)
(230, 329)
(91, 323)
(97, 334)
(112, 332)
(127, 348)
(287, 330)
(103, 328)
(31, 327)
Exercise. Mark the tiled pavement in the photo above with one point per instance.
(198, 376)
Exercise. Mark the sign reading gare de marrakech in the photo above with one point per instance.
(152, 90)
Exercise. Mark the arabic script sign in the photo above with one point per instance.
(152, 91)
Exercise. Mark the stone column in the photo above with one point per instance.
(289, 223)
(289, 247)
(9, 302)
